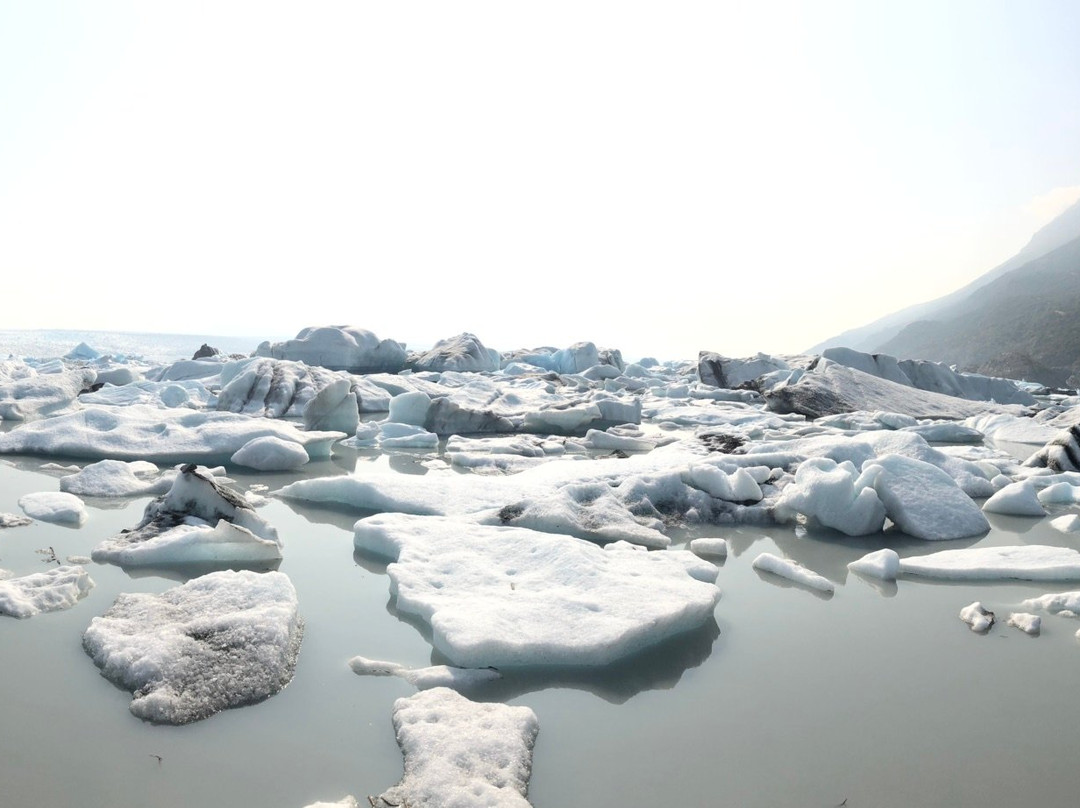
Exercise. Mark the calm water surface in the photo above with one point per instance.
(878, 695)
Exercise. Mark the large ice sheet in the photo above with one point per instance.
(222, 640)
(49, 591)
(148, 433)
(502, 596)
(1033, 562)
(460, 753)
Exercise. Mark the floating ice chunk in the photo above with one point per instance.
(406, 436)
(461, 753)
(1062, 493)
(979, 618)
(49, 591)
(1034, 562)
(923, 500)
(355, 350)
(833, 495)
(221, 640)
(609, 441)
(425, 678)
(1012, 428)
(149, 433)
(883, 564)
(1016, 499)
(43, 394)
(709, 548)
(946, 432)
(54, 506)
(738, 486)
(199, 520)
(335, 408)
(187, 394)
(14, 520)
(1056, 603)
(502, 596)
(767, 562)
(409, 408)
(348, 801)
(523, 445)
(270, 453)
(117, 478)
(1030, 624)
(1070, 523)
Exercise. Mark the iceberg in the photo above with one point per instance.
(347, 348)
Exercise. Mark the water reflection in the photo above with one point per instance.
(659, 667)
(185, 572)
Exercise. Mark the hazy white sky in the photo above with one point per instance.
(658, 177)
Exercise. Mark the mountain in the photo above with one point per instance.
(1021, 319)
(870, 338)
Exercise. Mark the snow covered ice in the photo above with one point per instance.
(502, 596)
(460, 753)
(49, 591)
(53, 506)
(222, 640)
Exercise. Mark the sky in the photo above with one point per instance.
(662, 178)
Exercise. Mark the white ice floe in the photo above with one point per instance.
(767, 562)
(49, 591)
(345, 802)
(461, 753)
(270, 453)
(14, 520)
(54, 506)
(1028, 623)
(924, 501)
(1062, 493)
(1016, 499)
(1033, 562)
(709, 548)
(425, 678)
(355, 350)
(149, 433)
(883, 564)
(39, 395)
(117, 478)
(978, 617)
(221, 640)
(1056, 603)
(501, 596)
(198, 521)
(1070, 523)
(833, 495)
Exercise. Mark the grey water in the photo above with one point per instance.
(876, 696)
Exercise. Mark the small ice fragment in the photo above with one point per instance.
(709, 548)
(883, 564)
(768, 562)
(1028, 623)
(977, 617)
(1069, 523)
(1016, 499)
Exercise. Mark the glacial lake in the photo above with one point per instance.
(878, 695)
